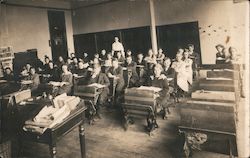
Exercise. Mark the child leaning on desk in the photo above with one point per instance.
(66, 83)
(160, 80)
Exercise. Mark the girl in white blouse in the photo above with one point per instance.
(188, 66)
(181, 74)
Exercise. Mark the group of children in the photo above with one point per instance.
(226, 55)
(155, 69)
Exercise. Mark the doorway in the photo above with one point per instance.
(58, 37)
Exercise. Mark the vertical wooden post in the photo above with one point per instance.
(152, 26)
(52, 150)
(82, 140)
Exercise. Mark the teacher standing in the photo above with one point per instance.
(117, 47)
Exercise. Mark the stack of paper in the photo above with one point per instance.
(56, 100)
(63, 99)
(56, 84)
(26, 82)
(213, 95)
(22, 95)
(97, 85)
(140, 66)
(170, 79)
(72, 102)
(49, 116)
(218, 78)
(155, 89)
(3, 81)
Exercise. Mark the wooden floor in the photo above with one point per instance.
(107, 139)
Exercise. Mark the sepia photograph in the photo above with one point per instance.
(124, 79)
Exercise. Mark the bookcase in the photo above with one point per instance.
(6, 58)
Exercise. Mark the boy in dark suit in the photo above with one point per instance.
(98, 77)
(160, 80)
(101, 78)
(132, 74)
(116, 73)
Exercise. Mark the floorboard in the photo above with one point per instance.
(107, 139)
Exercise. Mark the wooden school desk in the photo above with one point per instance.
(54, 134)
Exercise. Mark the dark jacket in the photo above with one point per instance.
(101, 79)
(143, 63)
(118, 72)
(35, 81)
(170, 73)
(134, 76)
(164, 94)
(54, 74)
(196, 60)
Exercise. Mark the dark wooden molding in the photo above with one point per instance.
(33, 6)
(101, 3)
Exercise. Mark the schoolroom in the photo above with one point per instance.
(124, 78)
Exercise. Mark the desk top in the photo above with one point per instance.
(78, 110)
(31, 108)
(51, 135)
(3, 81)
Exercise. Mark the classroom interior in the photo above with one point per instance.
(101, 101)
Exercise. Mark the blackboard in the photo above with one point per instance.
(170, 37)
(105, 39)
(138, 39)
(84, 43)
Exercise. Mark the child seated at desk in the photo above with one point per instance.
(140, 60)
(159, 80)
(103, 56)
(181, 75)
(160, 56)
(32, 81)
(8, 75)
(132, 74)
(25, 72)
(60, 63)
(7, 83)
(220, 55)
(34, 77)
(46, 63)
(150, 59)
(108, 61)
(52, 72)
(228, 56)
(98, 77)
(169, 72)
(188, 66)
(66, 82)
(81, 73)
(120, 58)
(116, 72)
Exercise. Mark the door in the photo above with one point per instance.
(58, 37)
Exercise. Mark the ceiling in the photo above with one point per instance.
(60, 4)
(86, 3)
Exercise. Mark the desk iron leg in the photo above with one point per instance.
(151, 124)
(52, 150)
(20, 145)
(230, 149)
(82, 140)
(114, 95)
